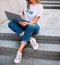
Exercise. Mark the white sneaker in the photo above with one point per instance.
(34, 44)
(18, 57)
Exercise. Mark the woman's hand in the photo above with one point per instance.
(24, 24)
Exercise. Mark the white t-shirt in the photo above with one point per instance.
(35, 10)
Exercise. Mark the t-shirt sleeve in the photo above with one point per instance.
(40, 11)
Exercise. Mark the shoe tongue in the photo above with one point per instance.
(19, 53)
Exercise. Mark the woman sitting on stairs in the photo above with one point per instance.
(28, 26)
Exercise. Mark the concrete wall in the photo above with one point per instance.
(9, 5)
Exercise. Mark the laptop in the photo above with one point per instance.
(13, 16)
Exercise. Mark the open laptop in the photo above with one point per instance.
(13, 16)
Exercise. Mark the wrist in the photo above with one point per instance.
(30, 23)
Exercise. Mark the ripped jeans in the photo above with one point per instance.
(29, 30)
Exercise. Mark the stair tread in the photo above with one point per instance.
(8, 60)
(50, 0)
(45, 50)
(42, 46)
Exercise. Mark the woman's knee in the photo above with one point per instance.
(30, 26)
(36, 30)
(10, 24)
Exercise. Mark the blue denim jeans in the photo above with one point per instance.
(29, 30)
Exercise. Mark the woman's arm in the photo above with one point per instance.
(35, 20)
(32, 22)
(22, 14)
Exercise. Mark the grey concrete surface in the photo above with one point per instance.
(39, 38)
(42, 46)
(8, 60)
(45, 50)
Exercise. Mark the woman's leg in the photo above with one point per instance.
(33, 42)
(15, 27)
(31, 29)
(28, 32)
(18, 29)
(36, 29)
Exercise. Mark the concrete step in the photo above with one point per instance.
(45, 50)
(39, 38)
(50, 0)
(8, 60)
(51, 4)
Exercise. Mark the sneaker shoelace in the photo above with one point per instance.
(33, 42)
(18, 56)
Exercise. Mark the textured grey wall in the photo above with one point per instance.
(9, 5)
